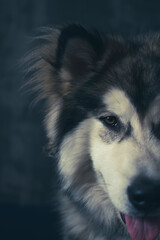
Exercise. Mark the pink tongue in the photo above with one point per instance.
(143, 228)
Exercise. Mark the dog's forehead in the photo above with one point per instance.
(117, 102)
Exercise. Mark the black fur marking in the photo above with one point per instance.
(77, 31)
(117, 50)
(88, 100)
(70, 117)
(127, 133)
(142, 82)
(75, 111)
(89, 95)
(155, 128)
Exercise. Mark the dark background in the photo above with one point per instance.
(26, 174)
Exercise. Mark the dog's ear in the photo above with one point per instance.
(62, 59)
(77, 55)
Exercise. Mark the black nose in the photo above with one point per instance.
(144, 194)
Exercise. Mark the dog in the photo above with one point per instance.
(102, 103)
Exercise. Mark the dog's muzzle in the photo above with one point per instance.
(144, 194)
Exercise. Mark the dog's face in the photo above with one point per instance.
(106, 119)
(124, 147)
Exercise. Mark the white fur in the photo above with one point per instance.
(118, 162)
(74, 149)
(51, 120)
(117, 102)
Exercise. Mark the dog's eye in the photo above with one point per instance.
(110, 121)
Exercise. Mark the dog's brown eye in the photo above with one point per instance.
(110, 121)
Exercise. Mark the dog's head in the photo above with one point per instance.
(110, 89)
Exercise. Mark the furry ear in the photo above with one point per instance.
(77, 54)
(62, 60)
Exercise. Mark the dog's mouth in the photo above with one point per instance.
(142, 228)
(123, 217)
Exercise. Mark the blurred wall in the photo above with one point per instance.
(25, 171)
